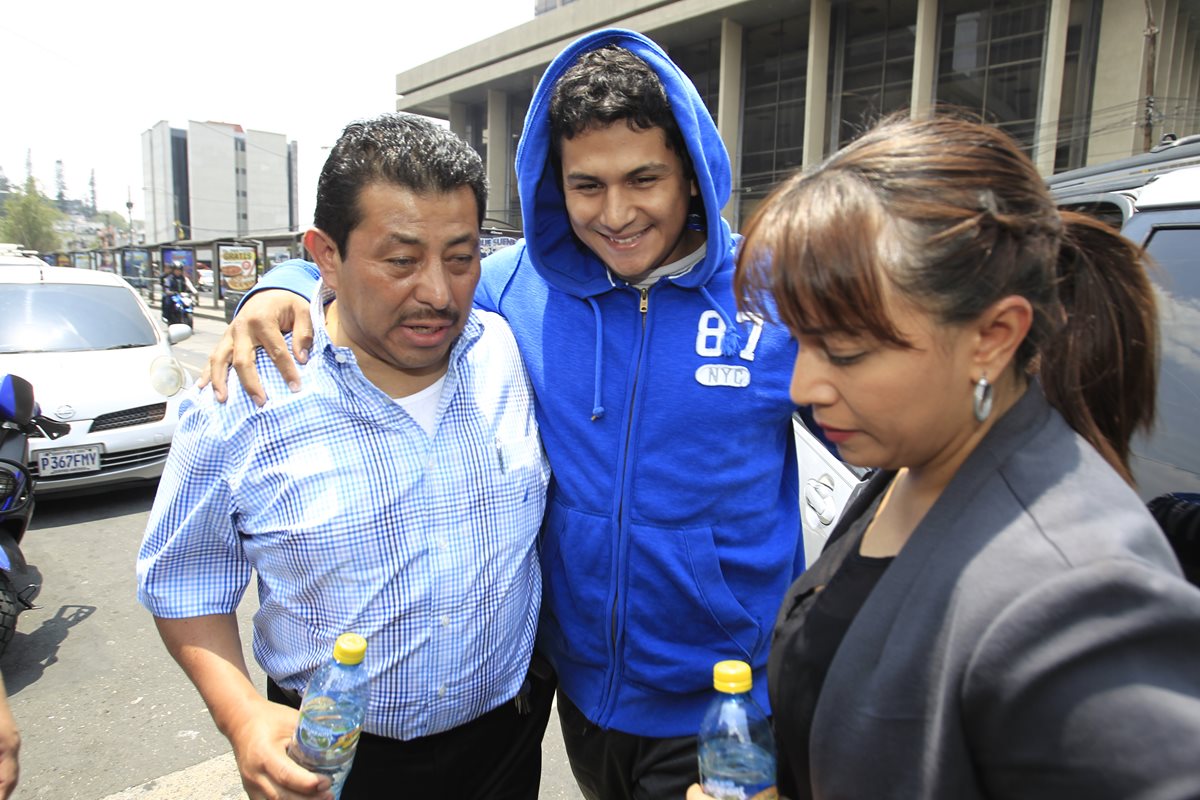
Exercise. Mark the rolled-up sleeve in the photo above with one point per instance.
(191, 561)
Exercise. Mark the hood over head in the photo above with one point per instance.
(561, 259)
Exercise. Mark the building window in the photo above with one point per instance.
(775, 62)
(873, 45)
(701, 62)
(990, 61)
(1079, 75)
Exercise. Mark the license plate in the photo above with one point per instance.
(69, 459)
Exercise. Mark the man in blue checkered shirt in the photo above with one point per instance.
(397, 495)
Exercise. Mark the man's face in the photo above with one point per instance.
(627, 196)
(405, 286)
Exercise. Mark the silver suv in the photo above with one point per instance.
(1162, 214)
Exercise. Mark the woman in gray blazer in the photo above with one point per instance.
(997, 615)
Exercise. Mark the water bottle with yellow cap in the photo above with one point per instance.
(737, 748)
(332, 713)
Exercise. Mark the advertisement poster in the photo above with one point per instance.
(184, 257)
(135, 266)
(82, 260)
(106, 261)
(239, 266)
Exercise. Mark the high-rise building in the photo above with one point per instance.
(215, 179)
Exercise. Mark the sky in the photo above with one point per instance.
(83, 80)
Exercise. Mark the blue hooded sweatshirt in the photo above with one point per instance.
(672, 527)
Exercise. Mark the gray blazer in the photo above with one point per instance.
(1033, 639)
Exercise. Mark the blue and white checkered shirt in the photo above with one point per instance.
(356, 520)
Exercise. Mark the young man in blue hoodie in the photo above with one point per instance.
(672, 526)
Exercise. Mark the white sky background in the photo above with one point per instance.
(80, 81)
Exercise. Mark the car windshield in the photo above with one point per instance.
(55, 317)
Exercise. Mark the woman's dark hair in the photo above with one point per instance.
(955, 216)
(399, 149)
(607, 85)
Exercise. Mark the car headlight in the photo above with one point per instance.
(167, 375)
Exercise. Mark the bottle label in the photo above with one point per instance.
(730, 790)
(734, 770)
(328, 731)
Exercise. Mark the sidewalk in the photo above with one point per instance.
(208, 312)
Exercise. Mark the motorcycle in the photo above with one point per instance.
(177, 308)
(20, 418)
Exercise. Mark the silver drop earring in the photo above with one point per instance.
(983, 398)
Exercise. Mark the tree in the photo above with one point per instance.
(29, 220)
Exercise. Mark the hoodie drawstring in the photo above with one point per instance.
(731, 340)
(598, 382)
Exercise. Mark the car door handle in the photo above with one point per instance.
(819, 500)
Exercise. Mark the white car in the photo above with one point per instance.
(98, 360)
(14, 255)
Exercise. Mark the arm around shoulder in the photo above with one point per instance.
(295, 275)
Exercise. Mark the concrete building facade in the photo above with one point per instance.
(1076, 82)
(216, 179)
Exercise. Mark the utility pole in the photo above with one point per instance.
(61, 184)
(1151, 64)
(129, 208)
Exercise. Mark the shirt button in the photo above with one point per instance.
(445, 620)
(340, 358)
(442, 691)
(443, 543)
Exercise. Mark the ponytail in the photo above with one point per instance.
(1100, 368)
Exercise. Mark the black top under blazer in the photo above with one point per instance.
(1033, 639)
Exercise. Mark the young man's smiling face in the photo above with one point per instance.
(627, 196)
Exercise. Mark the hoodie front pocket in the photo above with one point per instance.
(681, 616)
(576, 584)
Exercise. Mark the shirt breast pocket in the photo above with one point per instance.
(519, 453)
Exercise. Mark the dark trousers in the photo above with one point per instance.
(612, 765)
(498, 755)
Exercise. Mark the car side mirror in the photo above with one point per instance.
(16, 400)
(177, 332)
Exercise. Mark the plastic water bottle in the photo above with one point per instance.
(737, 748)
(332, 713)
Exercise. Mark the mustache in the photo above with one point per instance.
(450, 316)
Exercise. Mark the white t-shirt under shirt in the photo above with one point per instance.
(423, 405)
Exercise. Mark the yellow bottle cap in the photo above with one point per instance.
(732, 677)
(349, 649)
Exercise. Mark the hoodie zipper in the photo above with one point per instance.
(622, 535)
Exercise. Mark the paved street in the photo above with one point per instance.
(105, 713)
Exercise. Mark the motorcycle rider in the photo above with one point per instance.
(175, 282)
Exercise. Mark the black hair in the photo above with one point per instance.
(607, 85)
(401, 149)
